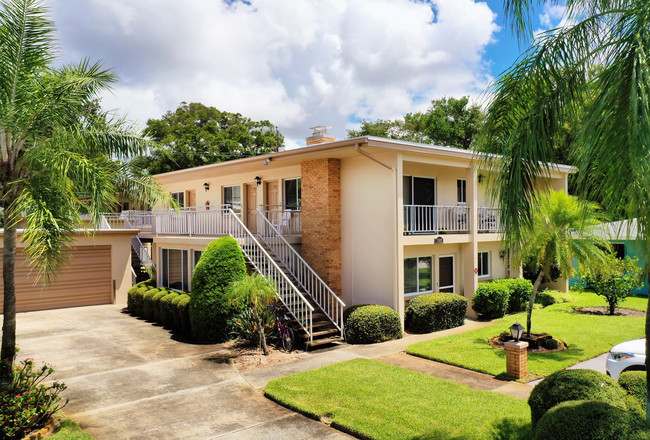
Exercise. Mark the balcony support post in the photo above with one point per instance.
(470, 250)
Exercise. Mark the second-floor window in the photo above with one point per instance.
(180, 198)
(293, 194)
(419, 191)
(461, 190)
(483, 264)
(232, 197)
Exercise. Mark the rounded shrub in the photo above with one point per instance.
(181, 310)
(635, 384)
(568, 385)
(435, 311)
(166, 310)
(519, 291)
(367, 324)
(221, 263)
(590, 420)
(130, 299)
(155, 299)
(491, 300)
(147, 303)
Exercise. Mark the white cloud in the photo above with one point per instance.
(295, 63)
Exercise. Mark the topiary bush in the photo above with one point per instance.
(155, 299)
(590, 420)
(491, 300)
(567, 385)
(221, 263)
(166, 309)
(435, 311)
(147, 303)
(137, 299)
(181, 310)
(367, 324)
(635, 384)
(519, 291)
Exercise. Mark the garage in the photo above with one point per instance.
(85, 280)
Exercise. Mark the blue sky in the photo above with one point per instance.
(294, 63)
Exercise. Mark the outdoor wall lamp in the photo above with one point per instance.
(206, 186)
(258, 180)
(481, 178)
(516, 330)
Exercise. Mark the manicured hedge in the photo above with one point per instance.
(635, 384)
(568, 385)
(435, 311)
(148, 304)
(221, 263)
(166, 309)
(135, 299)
(491, 300)
(590, 420)
(156, 304)
(549, 297)
(367, 324)
(519, 291)
(180, 306)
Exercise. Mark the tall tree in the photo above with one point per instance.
(55, 160)
(562, 229)
(449, 122)
(196, 135)
(549, 83)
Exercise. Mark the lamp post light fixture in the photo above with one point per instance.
(206, 186)
(516, 330)
(258, 180)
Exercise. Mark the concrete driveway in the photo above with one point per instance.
(128, 379)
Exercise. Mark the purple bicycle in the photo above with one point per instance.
(285, 332)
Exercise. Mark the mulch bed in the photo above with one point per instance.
(537, 342)
(605, 311)
(244, 357)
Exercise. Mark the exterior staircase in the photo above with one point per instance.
(324, 330)
(139, 269)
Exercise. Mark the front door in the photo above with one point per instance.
(251, 207)
(446, 274)
(271, 194)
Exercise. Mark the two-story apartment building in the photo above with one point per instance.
(367, 220)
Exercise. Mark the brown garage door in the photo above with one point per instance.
(85, 280)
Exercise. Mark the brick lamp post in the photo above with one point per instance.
(516, 353)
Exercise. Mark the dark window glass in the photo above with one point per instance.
(406, 190)
(424, 274)
(293, 193)
(461, 190)
(410, 275)
(180, 198)
(483, 264)
(446, 273)
(424, 191)
(619, 250)
(174, 272)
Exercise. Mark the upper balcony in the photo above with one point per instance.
(437, 219)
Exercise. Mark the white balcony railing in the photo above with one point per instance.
(433, 219)
(287, 219)
(489, 219)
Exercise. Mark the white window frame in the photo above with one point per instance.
(234, 206)
(417, 292)
(177, 195)
(453, 272)
(480, 264)
(298, 205)
(183, 267)
(463, 187)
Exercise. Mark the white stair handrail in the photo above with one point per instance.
(308, 279)
(296, 304)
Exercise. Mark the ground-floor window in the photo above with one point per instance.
(197, 256)
(483, 264)
(173, 269)
(418, 275)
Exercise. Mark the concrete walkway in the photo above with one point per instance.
(128, 379)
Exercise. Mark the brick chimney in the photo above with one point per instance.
(320, 136)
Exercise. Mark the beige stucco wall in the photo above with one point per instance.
(498, 265)
(368, 222)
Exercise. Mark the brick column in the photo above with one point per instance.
(321, 219)
(516, 359)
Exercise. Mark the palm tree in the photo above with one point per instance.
(563, 228)
(255, 292)
(602, 51)
(56, 158)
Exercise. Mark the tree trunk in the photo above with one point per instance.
(647, 328)
(8, 353)
(531, 303)
(260, 330)
(612, 309)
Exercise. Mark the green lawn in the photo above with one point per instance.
(381, 401)
(586, 336)
(71, 431)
